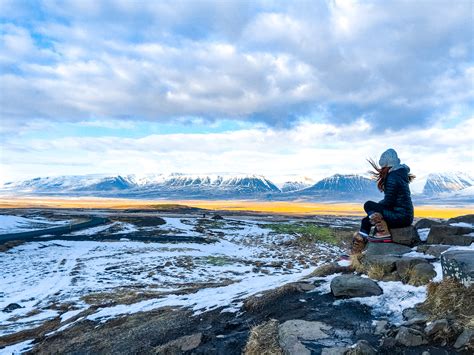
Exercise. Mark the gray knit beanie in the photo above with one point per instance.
(389, 158)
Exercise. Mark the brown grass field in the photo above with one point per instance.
(285, 208)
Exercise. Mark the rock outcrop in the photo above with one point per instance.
(459, 264)
(354, 286)
(293, 333)
(450, 235)
(406, 236)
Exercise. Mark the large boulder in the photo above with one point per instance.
(426, 223)
(180, 345)
(421, 274)
(459, 264)
(406, 264)
(406, 236)
(362, 347)
(468, 218)
(354, 286)
(387, 263)
(410, 337)
(386, 249)
(440, 326)
(293, 333)
(450, 235)
(433, 250)
(465, 340)
(329, 269)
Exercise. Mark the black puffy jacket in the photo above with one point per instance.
(397, 204)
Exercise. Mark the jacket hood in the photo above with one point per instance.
(400, 166)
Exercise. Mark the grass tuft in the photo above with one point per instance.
(263, 340)
(305, 233)
(376, 271)
(357, 264)
(450, 299)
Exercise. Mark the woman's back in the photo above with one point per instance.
(397, 198)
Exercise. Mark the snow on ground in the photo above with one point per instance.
(18, 348)
(459, 247)
(38, 275)
(395, 298)
(439, 272)
(207, 298)
(176, 225)
(462, 224)
(93, 230)
(16, 224)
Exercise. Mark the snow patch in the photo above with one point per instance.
(423, 233)
(395, 298)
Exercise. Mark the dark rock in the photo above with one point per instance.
(387, 262)
(392, 277)
(388, 343)
(11, 307)
(387, 249)
(468, 218)
(415, 322)
(303, 286)
(354, 286)
(410, 337)
(438, 326)
(404, 265)
(426, 223)
(412, 313)
(217, 217)
(380, 326)
(449, 235)
(406, 236)
(338, 350)
(362, 347)
(292, 333)
(421, 274)
(459, 264)
(434, 250)
(465, 340)
(329, 269)
(180, 345)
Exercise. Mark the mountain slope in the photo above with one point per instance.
(340, 188)
(438, 183)
(159, 185)
(297, 184)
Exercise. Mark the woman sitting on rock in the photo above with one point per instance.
(395, 210)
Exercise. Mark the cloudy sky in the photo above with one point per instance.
(279, 88)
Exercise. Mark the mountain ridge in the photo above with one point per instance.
(338, 187)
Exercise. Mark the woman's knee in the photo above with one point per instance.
(369, 206)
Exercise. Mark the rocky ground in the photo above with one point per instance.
(254, 284)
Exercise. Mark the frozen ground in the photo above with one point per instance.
(63, 278)
(15, 224)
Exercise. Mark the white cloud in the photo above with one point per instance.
(310, 149)
(272, 63)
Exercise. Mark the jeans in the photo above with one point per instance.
(369, 207)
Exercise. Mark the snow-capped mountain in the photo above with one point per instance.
(438, 183)
(341, 188)
(297, 184)
(345, 188)
(159, 185)
(345, 183)
(65, 184)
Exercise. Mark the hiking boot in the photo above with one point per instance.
(382, 233)
(375, 218)
(358, 243)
